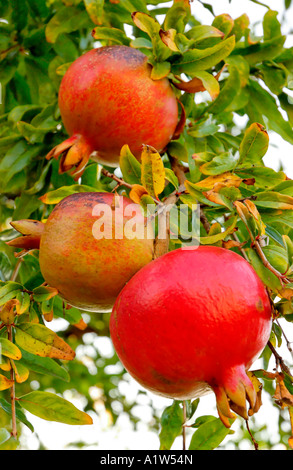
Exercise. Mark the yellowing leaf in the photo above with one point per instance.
(5, 382)
(227, 178)
(9, 349)
(51, 407)
(253, 210)
(40, 340)
(137, 192)
(21, 372)
(152, 171)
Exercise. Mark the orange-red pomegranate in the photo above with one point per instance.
(107, 99)
(192, 321)
(79, 254)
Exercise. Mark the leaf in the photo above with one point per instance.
(200, 32)
(51, 407)
(196, 60)
(152, 171)
(261, 52)
(9, 349)
(226, 178)
(201, 82)
(40, 340)
(171, 425)
(95, 9)
(44, 365)
(5, 383)
(228, 92)
(254, 144)
(114, 35)
(152, 27)
(178, 150)
(265, 105)
(23, 302)
(9, 291)
(160, 70)
(20, 416)
(224, 23)
(274, 200)
(43, 293)
(211, 239)
(209, 435)
(129, 166)
(136, 193)
(55, 196)
(66, 20)
(220, 164)
(20, 371)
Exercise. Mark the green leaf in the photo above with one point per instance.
(227, 93)
(265, 105)
(254, 145)
(9, 291)
(66, 20)
(9, 349)
(268, 278)
(40, 340)
(212, 239)
(177, 16)
(261, 52)
(220, 164)
(129, 166)
(177, 150)
(114, 35)
(271, 25)
(44, 365)
(152, 27)
(209, 435)
(200, 32)
(274, 200)
(171, 425)
(51, 407)
(195, 60)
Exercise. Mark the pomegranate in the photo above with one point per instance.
(107, 99)
(78, 252)
(193, 321)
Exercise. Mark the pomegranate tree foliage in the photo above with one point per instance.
(219, 71)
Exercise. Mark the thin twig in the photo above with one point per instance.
(279, 359)
(266, 263)
(251, 436)
(120, 181)
(16, 270)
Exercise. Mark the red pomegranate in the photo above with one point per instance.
(85, 250)
(107, 99)
(193, 321)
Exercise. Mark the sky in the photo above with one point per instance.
(102, 436)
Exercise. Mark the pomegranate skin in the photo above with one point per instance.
(192, 321)
(107, 99)
(89, 272)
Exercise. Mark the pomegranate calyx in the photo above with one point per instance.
(236, 389)
(75, 153)
(31, 231)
